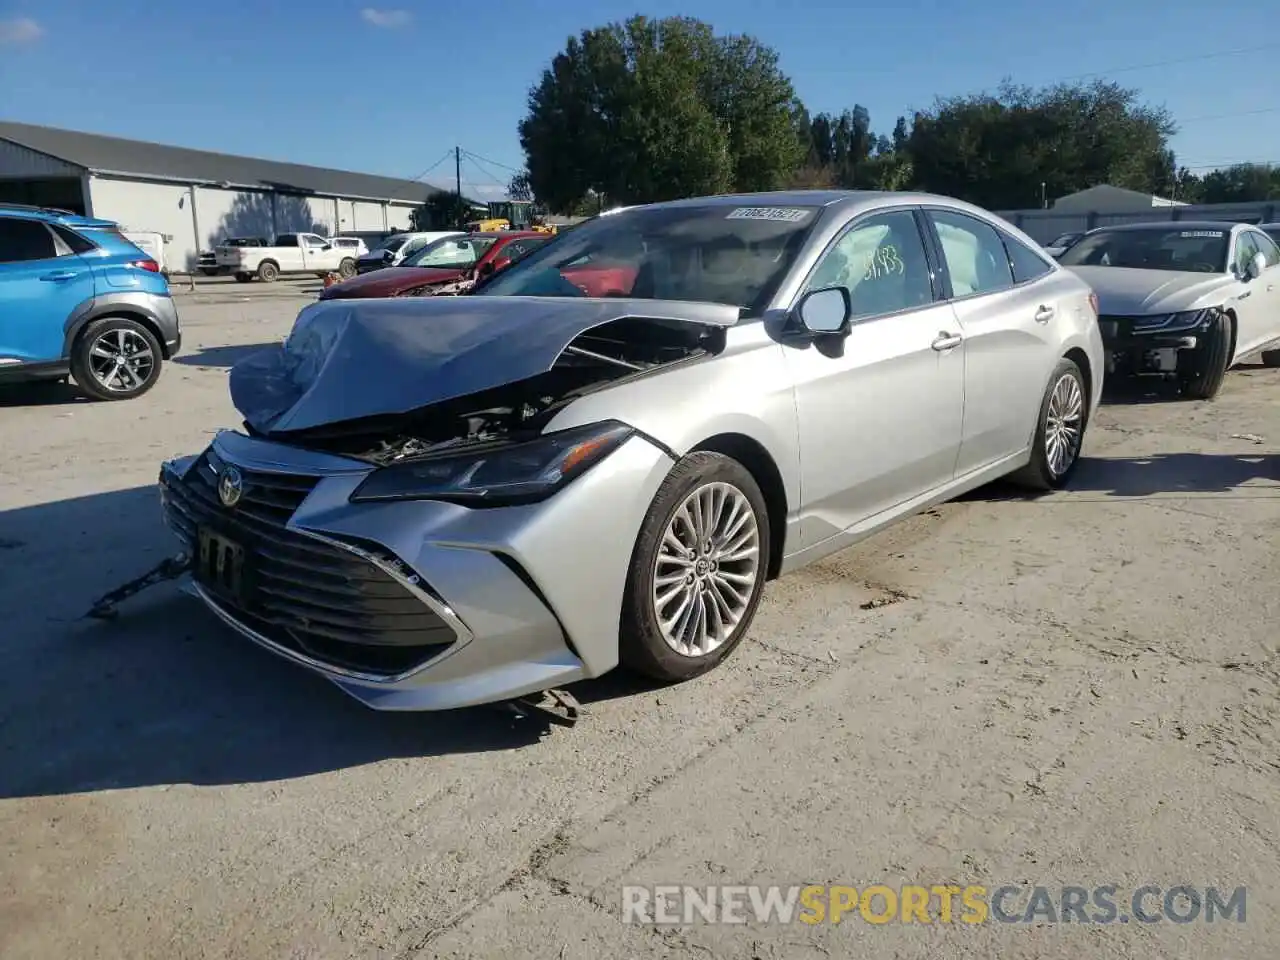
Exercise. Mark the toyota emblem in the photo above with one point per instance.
(230, 486)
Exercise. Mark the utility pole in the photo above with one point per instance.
(457, 180)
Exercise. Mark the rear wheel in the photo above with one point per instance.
(347, 268)
(697, 571)
(115, 358)
(1201, 371)
(1060, 431)
(268, 272)
(243, 277)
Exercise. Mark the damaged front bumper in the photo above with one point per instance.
(1152, 344)
(417, 604)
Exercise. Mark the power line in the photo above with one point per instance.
(1174, 62)
(493, 163)
(1223, 116)
(443, 157)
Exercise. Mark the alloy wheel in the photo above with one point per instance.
(121, 361)
(1064, 424)
(706, 569)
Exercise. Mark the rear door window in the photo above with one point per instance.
(976, 259)
(25, 240)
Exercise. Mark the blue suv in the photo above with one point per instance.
(78, 299)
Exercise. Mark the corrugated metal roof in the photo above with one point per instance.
(102, 154)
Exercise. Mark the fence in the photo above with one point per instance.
(1044, 226)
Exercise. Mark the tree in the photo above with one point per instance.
(518, 188)
(997, 150)
(443, 210)
(1241, 183)
(657, 109)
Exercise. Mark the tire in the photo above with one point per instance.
(243, 277)
(643, 645)
(109, 335)
(209, 271)
(1271, 358)
(1202, 370)
(1063, 417)
(268, 272)
(347, 268)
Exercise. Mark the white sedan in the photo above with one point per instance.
(1184, 299)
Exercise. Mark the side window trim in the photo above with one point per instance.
(914, 211)
(946, 270)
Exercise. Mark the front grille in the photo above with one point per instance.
(301, 593)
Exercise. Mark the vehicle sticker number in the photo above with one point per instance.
(775, 214)
(1202, 234)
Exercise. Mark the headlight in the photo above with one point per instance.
(498, 475)
(1174, 322)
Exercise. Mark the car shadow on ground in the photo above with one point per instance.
(1179, 474)
(224, 356)
(165, 694)
(1135, 391)
(45, 393)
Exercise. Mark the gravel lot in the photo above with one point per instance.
(1078, 689)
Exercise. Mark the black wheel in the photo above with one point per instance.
(697, 571)
(209, 271)
(268, 272)
(115, 358)
(243, 277)
(1064, 414)
(1201, 371)
(347, 268)
(1271, 358)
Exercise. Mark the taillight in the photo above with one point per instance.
(147, 264)
(1093, 302)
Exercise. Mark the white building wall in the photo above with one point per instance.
(398, 215)
(298, 214)
(232, 213)
(368, 216)
(161, 207)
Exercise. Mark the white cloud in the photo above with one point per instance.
(19, 30)
(389, 19)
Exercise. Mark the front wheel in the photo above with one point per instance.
(115, 358)
(697, 571)
(1201, 371)
(347, 268)
(1059, 431)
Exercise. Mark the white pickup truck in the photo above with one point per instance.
(291, 253)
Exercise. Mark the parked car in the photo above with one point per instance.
(354, 246)
(1060, 245)
(207, 263)
(1183, 299)
(291, 253)
(445, 501)
(77, 299)
(459, 258)
(399, 247)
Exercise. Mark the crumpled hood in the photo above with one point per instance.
(1128, 292)
(389, 281)
(350, 359)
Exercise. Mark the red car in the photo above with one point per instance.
(441, 264)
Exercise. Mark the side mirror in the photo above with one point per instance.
(826, 311)
(485, 269)
(1256, 266)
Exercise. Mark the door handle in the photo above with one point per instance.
(59, 275)
(1044, 314)
(947, 341)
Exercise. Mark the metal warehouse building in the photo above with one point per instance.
(193, 197)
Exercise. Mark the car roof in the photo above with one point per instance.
(1226, 225)
(54, 215)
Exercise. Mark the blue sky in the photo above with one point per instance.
(390, 88)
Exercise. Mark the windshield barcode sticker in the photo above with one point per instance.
(777, 214)
(1203, 234)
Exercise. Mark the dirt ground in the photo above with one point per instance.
(1079, 689)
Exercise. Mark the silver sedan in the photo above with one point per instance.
(602, 453)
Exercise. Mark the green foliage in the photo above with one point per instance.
(657, 109)
(1240, 183)
(442, 211)
(519, 188)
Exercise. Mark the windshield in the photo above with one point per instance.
(390, 245)
(452, 252)
(713, 254)
(1165, 248)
